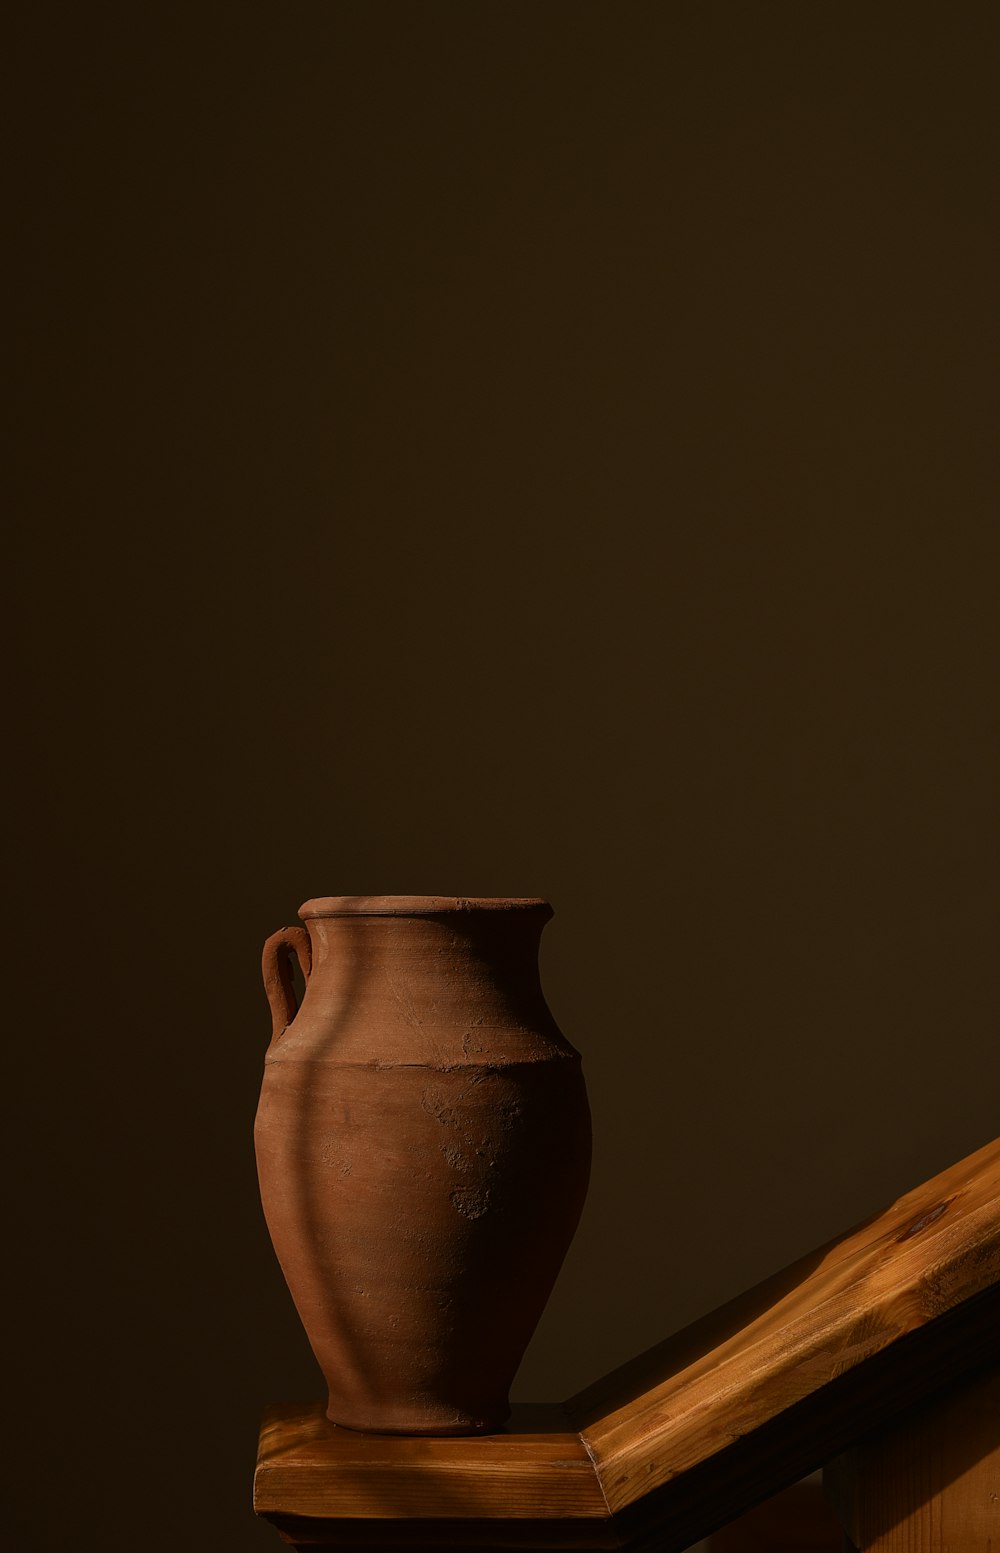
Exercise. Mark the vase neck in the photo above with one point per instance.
(438, 987)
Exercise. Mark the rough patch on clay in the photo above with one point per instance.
(470, 1201)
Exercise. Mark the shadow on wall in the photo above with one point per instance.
(799, 1520)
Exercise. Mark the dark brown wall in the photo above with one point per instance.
(489, 448)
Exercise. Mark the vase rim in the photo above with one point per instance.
(415, 905)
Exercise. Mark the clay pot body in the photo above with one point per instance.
(423, 1147)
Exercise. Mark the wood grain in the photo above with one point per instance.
(873, 1395)
(681, 1440)
(539, 1468)
(820, 1319)
(931, 1482)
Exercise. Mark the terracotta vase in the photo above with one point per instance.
(423, 1146)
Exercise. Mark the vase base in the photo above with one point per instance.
(393, 1422)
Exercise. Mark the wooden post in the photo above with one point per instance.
(930, 1484)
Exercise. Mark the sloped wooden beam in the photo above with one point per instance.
(684, 1438)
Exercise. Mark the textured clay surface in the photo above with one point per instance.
(423, 1145)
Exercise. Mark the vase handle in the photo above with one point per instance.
(277, 968)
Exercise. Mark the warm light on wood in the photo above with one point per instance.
(932, 1482)
(849, 1340)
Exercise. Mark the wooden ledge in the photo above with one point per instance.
(539, 1468)
(682, 1439)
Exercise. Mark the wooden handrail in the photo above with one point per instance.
(682, 1439)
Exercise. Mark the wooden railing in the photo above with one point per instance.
(877, 1357)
